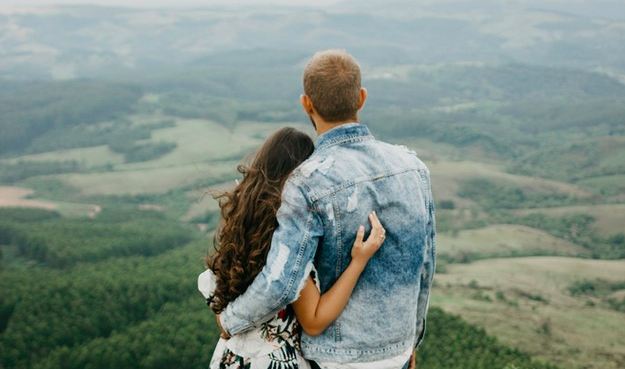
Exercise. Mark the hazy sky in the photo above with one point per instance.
(162, 3)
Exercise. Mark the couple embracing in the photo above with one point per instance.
(326, 252)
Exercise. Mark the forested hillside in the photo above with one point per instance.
(116, 135)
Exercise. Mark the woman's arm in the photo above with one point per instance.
(316, 312)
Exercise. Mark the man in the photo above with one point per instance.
(324, 201)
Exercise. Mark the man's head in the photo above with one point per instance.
(332, 87)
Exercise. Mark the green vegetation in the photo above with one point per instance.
(60, 243)
(595, 163)
(141, 152)
(525, 302)
(10, 173)
(57, 107)
(43, 310)
(442, 350)
(578, 229)
(600, 289)
(120, 135)
(174, 337)
(226, 111)
(492, 195)
(146, 308)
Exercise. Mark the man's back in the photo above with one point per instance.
(349, 175)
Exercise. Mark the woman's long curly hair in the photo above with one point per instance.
(249, 214)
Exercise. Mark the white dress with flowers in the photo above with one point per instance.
(273, 344)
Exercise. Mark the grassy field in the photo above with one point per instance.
(505, 240)
(90, 157)
(204, 150)
(147, 180)
(613, 185)
(202, 202)
(515, 294)
(197, 141)
(525, 302)
(447, 175)
(609, 218)
(11, 196)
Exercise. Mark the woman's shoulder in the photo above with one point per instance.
(207, 283)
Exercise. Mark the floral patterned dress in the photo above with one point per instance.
(273, 344)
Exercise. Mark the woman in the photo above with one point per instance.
(242, 244)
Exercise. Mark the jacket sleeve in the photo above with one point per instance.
(292, 251)
(429, 262)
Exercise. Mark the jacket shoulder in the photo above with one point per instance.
(402, 151)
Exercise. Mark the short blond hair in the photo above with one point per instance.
(332, 82)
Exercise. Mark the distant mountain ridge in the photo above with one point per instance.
(65, 42)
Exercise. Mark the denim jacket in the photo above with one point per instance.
(323, 203)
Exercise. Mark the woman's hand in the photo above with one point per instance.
(316, 312)
(362, 251)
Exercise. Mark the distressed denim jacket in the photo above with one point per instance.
(323, 203)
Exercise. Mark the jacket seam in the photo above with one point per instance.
(339, 250)
(356, 137)
(316, 197)
(297, 266)
(332, 350)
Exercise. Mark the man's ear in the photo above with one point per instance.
(363, 97)
(306, 104)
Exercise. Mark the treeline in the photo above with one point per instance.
(227, 111)
(119, 134)
(537, 141)
(451, 342)
(550, 122)
(577, 228)
(134, 152)
(30, 109)
(499, 203)
(514, 82)
(493, 195)
(20, 170)
(575, 161)
(62, 242)
(463, 129)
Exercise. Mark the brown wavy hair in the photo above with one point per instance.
(249, 214)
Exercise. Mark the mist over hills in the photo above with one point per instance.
(63, 42)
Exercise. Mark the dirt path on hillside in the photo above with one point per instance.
(11, 196)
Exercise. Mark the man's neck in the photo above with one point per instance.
(323, 127)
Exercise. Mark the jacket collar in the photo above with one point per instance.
(343, 133)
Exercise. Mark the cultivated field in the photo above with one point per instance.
(11, 196)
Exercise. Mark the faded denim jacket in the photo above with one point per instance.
(323, 203)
